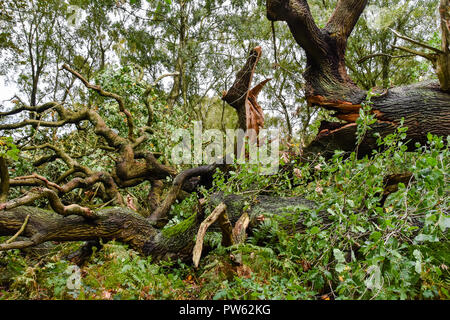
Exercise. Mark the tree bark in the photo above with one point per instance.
(423, 106)
(125, 225)
(121, 224)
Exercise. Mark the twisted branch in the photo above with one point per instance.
(54, 200)
(107, 94)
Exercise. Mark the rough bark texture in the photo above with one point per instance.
(443, 59)
(423, 106)
(127, 226)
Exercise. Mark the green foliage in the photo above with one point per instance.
(373, 36)
(396, 249)
(114, 273)
(183, 210)
(250, 179)
(365, 119)
(356, 244)
(8, 149)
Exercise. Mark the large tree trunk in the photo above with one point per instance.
(118, 223)
(425, 107)
(127, 226)
(177, 242)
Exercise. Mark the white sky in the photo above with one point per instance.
(7, 91)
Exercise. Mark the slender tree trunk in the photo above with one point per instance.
(179, 85)
(4, 180)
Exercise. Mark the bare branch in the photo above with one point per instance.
(36, 177)
(107, 94)
(149, 90)
(164, 208)
(416, 42)
(65, 117)
(17, 245)
(55, 203)
(370, 56)
(71, 163)
(23, 107)
(31, 122)
(164, 76)
(22, 228)
(44, 160)
(427, 56)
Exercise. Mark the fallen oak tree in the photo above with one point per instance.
(425, 107)
(125, 225)
(176, 242)
(133, 166)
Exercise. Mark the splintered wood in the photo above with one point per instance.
(219, 211)
(243, 97)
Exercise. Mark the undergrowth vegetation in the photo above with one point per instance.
(370, 244)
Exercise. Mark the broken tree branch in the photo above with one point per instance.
(244, 98)
(54, 200)
(240, 228)
(22, 228)
(213, 217)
